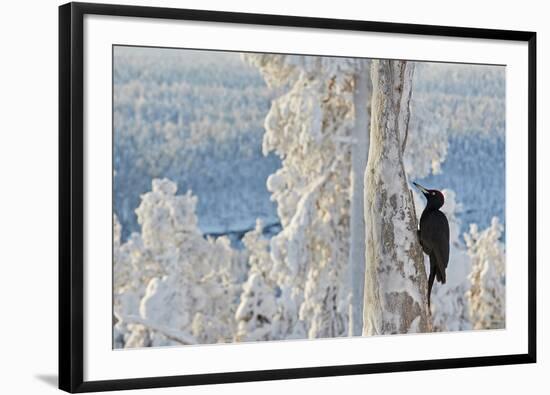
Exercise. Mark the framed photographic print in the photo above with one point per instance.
(251, 197)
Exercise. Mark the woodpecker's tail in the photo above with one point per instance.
(430, 285)
(440, 275)
(431, 278)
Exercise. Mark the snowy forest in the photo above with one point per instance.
(270, 197)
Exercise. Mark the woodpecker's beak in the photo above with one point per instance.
(421, 188)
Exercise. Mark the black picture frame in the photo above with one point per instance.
(71, 196)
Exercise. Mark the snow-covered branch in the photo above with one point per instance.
(172, 334)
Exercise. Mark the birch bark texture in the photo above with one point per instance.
(359, 153)
(395, 298)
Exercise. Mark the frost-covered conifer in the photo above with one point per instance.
(487, 293)
(310, 127)
(192, 293)
(257, 311)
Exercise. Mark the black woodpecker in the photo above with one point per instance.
(434, 235)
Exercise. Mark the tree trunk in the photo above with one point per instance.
(359, 152)
(395, 298)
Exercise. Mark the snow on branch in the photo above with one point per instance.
(170, 333)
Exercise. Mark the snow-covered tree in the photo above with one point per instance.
(134, 266)
(395, 278)
(487, 293)
(310, 128)
(257, 310)
(191, 293)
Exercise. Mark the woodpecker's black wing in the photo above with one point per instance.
(434, 238)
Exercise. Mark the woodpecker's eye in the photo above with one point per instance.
(433, 193)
